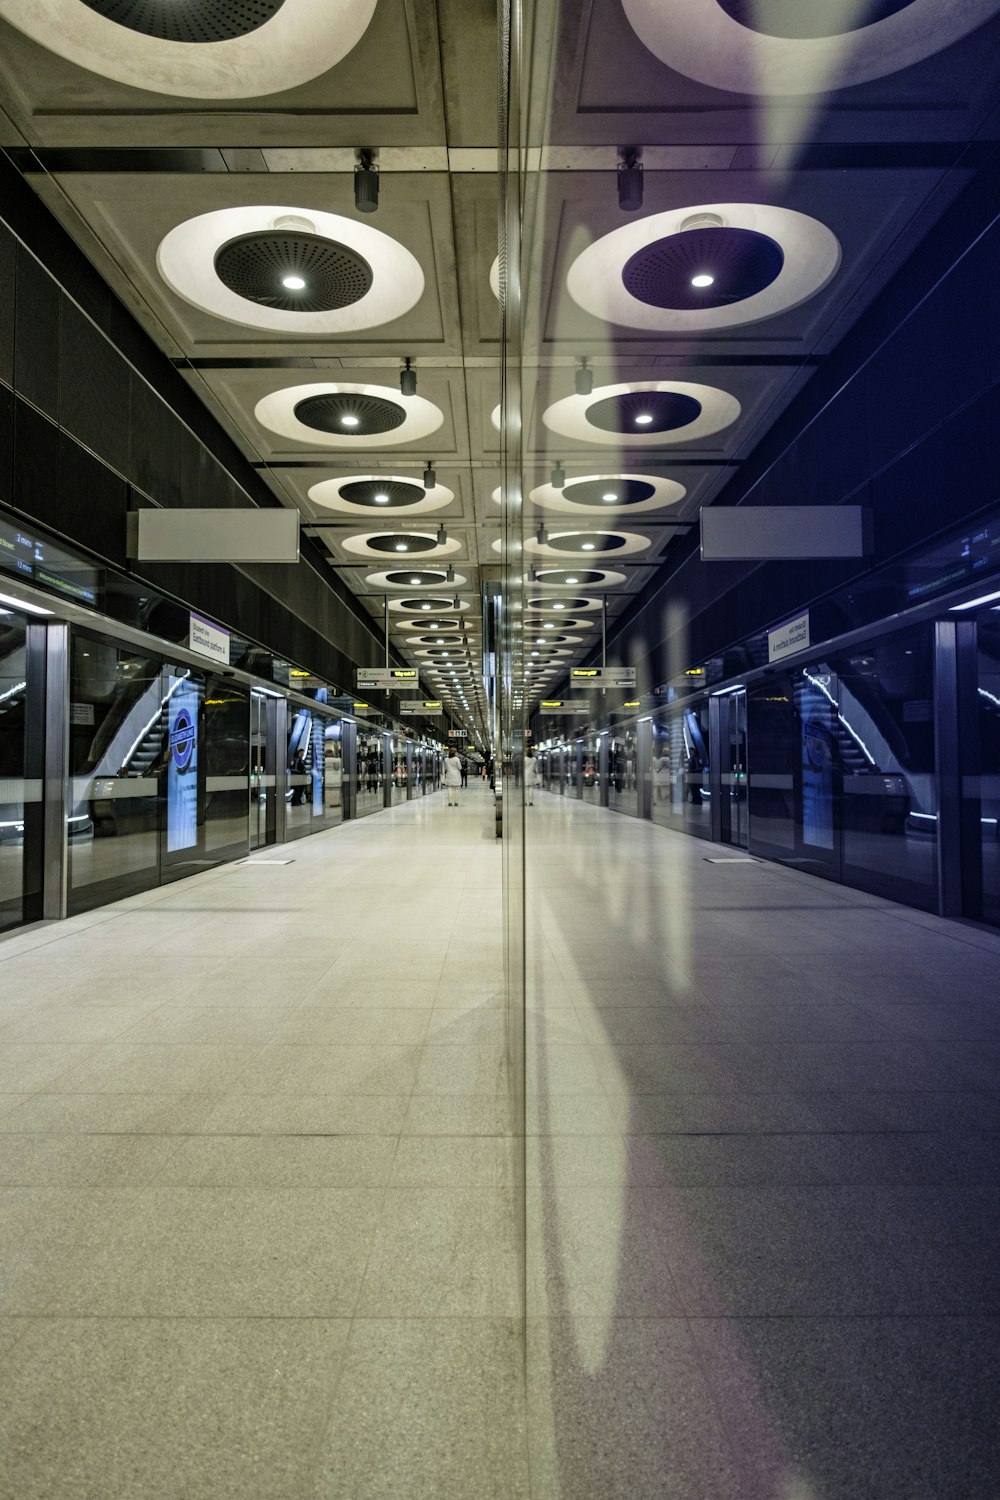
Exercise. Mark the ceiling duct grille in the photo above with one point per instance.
(196, 21)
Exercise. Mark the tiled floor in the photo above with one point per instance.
(763, 1179)
(257, 1170)
(259, 1229)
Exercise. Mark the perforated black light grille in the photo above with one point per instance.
(807, 18)
(401, 542)
(366, 415)
(667, 409)
(593, 491)
(741, 263)
(188, 20)
(586, 541)
(255, 266)
(398, 495)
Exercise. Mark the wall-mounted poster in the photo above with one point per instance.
(182, 767)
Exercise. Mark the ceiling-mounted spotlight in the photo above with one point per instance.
(630, 178)
(408, 379)
(584, 378)
(365, 181)
(456, 603)
(449, 574)
(541, 535)
(430, 476)
(558, 477)
(442, 535)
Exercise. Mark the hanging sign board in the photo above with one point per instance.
(788, 638)
(387, 679)
(564, 706)
(413, 707)
(604, 676)
(458, 734)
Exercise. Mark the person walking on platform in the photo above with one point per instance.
(530, 775)
(465, 771)
(453, 777)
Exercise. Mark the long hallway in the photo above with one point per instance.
(261, 1180)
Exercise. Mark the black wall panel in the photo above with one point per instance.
(154, 464)
(8, 258)
(93, 389)
(37, 305)
(6, 445)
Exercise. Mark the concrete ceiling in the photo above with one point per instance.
(122, 166)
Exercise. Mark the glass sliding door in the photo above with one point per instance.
(227, 770)
(119, 715)
(371, 772)
(262, 782)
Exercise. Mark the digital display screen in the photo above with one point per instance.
(44, 563)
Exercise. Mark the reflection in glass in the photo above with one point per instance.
(13, 702)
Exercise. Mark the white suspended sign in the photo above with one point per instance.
(387, 679)
(208, 640)
(604, 677)
(788, 638)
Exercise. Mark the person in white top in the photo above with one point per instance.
(453, 777)
(530, 776)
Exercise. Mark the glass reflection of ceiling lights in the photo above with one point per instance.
(787, 47)
(412, 578)
(198, 49)
(583, 543)
(337, 415)
(716, 265)
(643, 413)
(604, 494)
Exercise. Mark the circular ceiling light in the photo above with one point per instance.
(314, 415)
(568, 543)
(411, 578)
(360, 415)
(381, 492)
(198, 49)
(231, 262)
(786, 47)
(438, 604)
(676, 271)
(319, 275)
(363, 544)
(678, 412)
(762, 261)
(597, 493)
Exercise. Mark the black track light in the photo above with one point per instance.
(541, 535)
(629, 179)
(408, 380)
(584, 379)
(366, 182)
(558, 477)
(430, 476)
(449, 574)
(442, 535)
(456, 603)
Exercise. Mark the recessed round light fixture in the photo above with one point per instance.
(790, 48)
(201, 49)
(678, 412)
(400, 547)
(610, 497)
(705, 267)
(381, 498)
(587, 546)
(293, 283)
(572, 580)
(237, 264)
(314, 414)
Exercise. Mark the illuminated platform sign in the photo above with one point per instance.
(604, 677)
(564, 706)
(386, 679)
(458, 734)
(413, 707)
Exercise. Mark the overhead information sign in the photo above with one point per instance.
(604, 676)
(564, 706)
(458, 734)
(207, 639)
(386, 678)
(413, 707)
